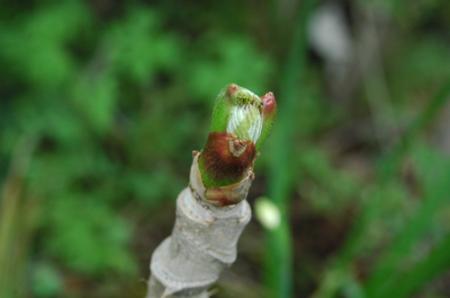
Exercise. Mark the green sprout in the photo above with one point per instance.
(241, 121)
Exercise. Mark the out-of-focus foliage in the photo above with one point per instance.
(102, 103)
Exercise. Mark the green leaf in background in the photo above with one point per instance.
(35, 46)
(96, 97)
(137, 48)
(98, 240)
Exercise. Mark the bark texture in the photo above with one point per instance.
(203, 241)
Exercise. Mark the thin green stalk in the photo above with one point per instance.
(279, 259)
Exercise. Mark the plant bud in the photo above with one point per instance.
(241, 121)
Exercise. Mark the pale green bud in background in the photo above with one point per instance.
(267, 213)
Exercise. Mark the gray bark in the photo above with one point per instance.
(203, 241)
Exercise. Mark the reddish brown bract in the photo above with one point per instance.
(226, 157)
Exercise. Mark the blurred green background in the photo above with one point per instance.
(102, 102)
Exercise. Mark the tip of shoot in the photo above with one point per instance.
(240, 123)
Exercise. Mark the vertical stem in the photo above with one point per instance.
(279, 259)
(203, 241)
